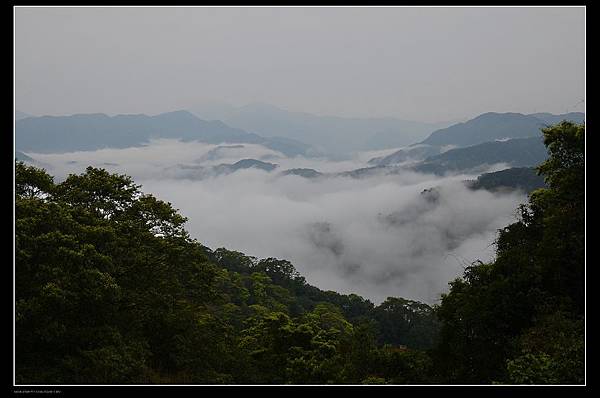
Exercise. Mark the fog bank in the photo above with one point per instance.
(378, 236)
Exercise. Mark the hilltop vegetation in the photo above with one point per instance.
(523, 178)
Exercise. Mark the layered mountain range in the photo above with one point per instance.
(512, 140)
(333, 136)
(96, 131)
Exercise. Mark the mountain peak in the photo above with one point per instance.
(179, 114)
(498, 115)
(488, 126)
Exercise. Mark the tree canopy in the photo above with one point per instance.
(520, 318)
(110, 288)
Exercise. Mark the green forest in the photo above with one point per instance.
(111, 289)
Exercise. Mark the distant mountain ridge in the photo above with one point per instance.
(416, 152)
(199, 172)
(487, 127)
(302, 172)
(22, 157)
(550, 119)
(97, 131)
(492, 126)
(331, 135)
(521, 178)
(517, 152)
(21, 115)
(247, 164)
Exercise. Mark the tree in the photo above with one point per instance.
(406, 322)
(538, 273)
(31, 182)
(106, 278)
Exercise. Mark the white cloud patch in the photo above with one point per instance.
(379, 236)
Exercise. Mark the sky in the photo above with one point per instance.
(430, 64)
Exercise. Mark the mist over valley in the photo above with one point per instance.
(361, 223)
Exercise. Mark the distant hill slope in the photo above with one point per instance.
(22, 157)
(332, 135)
(289, 146)
(518, 152)
(302, 172)
(412, 153)
(199, 172)
(550, 119)
(493, 126)
(523, 178)
(96, 131)
(244, 164)
(21, 115)
(486, 127)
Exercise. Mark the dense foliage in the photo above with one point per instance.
(110, 288)
(520, 319)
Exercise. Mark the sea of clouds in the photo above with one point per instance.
(380, 236)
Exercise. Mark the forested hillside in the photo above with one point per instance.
(523, 178)
(518, 152)
(520, 319)
(111, 289)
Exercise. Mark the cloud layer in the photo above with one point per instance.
(379, 236)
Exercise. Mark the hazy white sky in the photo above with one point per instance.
(427, 64)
